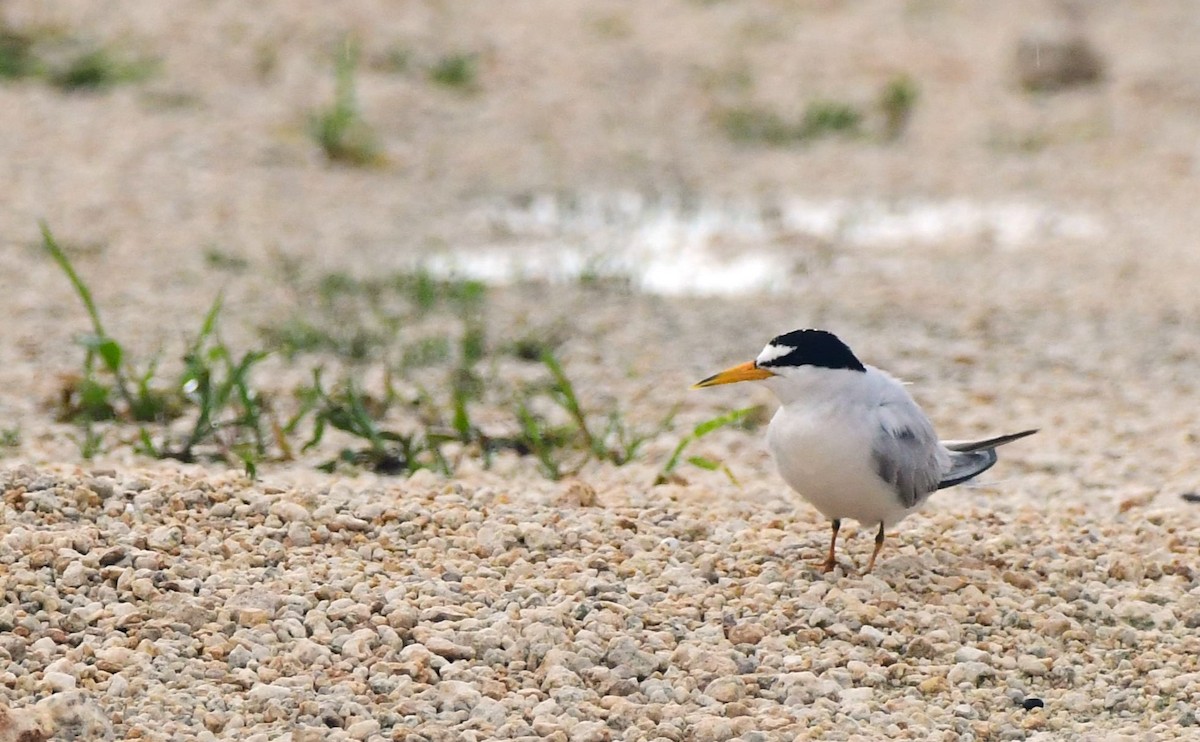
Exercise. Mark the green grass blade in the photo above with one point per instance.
(570, 402)
(85, 294)
(721, 421)
(702, 429)
(704, 463)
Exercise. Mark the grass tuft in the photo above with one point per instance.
(752, 125)
(67, 63)
(826, 117)
(897, 101)
(212, 409)
(456, 71)
(17, 57)
(340, 129)
(228, 416)
(98, 68)
(756, 126)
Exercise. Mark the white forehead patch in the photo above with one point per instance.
(773, 351)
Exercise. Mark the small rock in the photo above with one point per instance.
(363, 729)
(971, 654)
(75, 575)
(455, 695)
(712, 729)
(59, 681)
(358, 644)
(290, 512)
(1016, 579)
(821, 616)
(415, 661)
(269, 692)
(873, 636)
(118, 686)
(537, 536)
(726, 690)
(623, 651)
(113, 556)
(402, 616)
(579, 494)
(1055, 57)
(308, 652)
(299, 534)
(969, 672)
(165, 538)
(920, 648)
(444, 647)
(590, 731)
(1032, 703)
(1031, 665)
(239, 656)
(1054, 624)
(560, 677)
(746, 632)
(253, 606)
(143, 588)
(489, 711)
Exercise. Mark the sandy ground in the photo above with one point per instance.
(499, 604)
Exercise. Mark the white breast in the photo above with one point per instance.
(821, 439)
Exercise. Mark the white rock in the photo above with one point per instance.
(857, 695)
(444, 647)
(74, 575)
(872, 635)
(290, 512)
(590, 731)
(972, 654)
(537, 536)
(363, 729)
(455, 695)
(118, 686)
(623, 651)
(1031, 665)
(59, 681)
(358, 644)
(269, 692)
(969, 672)
(725, 690)
(489, 711)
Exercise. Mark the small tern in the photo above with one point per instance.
(850, 438)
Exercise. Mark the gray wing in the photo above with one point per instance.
(906, 452)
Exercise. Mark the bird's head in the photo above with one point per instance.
(790, 356)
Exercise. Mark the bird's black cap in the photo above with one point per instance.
(812, 348)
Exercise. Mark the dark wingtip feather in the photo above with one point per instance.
(969, 446)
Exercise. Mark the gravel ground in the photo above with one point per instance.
(153, 600)
(200, 607)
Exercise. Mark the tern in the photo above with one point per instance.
(850, 439)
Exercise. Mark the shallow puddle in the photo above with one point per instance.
(680, 246)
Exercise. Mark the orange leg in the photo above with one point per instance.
(830, 562)
(878, 546)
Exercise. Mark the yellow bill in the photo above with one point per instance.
(747, 371)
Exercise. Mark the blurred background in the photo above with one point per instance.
(994, 200)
